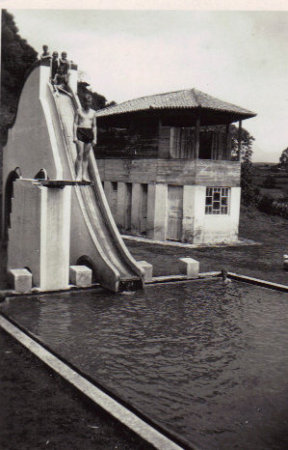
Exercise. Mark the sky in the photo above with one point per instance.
(237, 56)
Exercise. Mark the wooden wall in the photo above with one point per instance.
(151, 140)
(170, 171)
(137, 140)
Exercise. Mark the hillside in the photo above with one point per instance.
(271, 180)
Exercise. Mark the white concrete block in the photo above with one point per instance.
(80, 275)
(189, 267)
(148, 270)
(285, 262)
(20, 280)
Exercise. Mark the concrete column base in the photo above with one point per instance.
(148, 270)
(20, 280)
(80, 276)
(189, 267)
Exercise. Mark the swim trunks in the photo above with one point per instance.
(85, 135)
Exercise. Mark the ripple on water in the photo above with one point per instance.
(193, 356)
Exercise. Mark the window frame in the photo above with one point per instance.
(217, 200)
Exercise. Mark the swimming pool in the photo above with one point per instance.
(205, 359)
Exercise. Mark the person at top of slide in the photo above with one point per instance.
(65, 64)
(84, 136)
(54, 65)
(60, 81)
(45, 54)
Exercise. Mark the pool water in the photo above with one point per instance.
(207, 360)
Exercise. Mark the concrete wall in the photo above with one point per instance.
(159, 176)
(201, 228)
(25, 223)
(197, 226)
(31, 142)
(39, 237)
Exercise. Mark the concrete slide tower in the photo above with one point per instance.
(49, 229)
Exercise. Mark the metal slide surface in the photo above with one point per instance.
(95, 208)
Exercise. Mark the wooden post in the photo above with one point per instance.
(159, 136)
(239, 140)
(228, 143)
(197, 146)
(172, 142)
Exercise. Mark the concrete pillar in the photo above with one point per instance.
(39, 238)
(157, 211)
(188, 213)
(55, 238)
(136, 213)
(121, 205)
(193, 213)
(124, 206)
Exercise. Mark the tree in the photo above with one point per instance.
(98, 100)
(269, 182)
(246, 144)
(283, 160)
(17, 58)
(250, 192)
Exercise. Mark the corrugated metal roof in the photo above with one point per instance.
(186, 99)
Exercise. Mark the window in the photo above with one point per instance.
(217, 200)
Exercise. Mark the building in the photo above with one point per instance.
(167, 167)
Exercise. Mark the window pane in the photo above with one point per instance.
(217, 200)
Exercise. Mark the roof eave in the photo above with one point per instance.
(237, 114)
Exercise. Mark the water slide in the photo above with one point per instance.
(42, 138)
(113, 265)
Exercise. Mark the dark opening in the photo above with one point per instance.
(9, 192)
(205, 148)
(41, 175)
